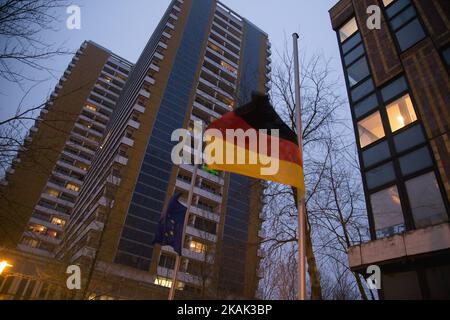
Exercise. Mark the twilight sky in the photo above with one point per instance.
(124, 27)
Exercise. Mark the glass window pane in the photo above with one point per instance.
(393, 89)
(387, 212)
(446, 54)
(348, 29)
(403, 17)
(401, 286)
(387, 2)
(351, 42)
(438, 279)
(410, 34)
(426, 201)
(358, 71)
(376, 154)
(415, 161)
(408, 139)
(380, 175)
(354, 54)
(397, 7)
(365, 106)
(370, 129)
(361, 90)
(401, 113)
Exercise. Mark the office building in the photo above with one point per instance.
(399, 91)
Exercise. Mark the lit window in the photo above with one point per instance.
(58, 222)
(426, 201)
(37, 229)
(52, 234)
(387, 2)
(53, 193)
(161, 281)
(73, 187)
(370, 129)
(91, 107)
(197, 247)
(348, 30)
(401, 113)
(387, 212)
(228, 67)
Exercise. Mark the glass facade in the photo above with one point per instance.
(135, 247)
(399, 174)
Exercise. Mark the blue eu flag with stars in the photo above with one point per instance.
(171, 223)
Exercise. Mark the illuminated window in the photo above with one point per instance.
(58, 222)
(73, 187)
(387, 2)
(91, 107)
(197, 247)
(82, 166)
(370, 129)
(37, 229)
(348, 30)
(52, 234)
(387, 212)
(228, 67)
(53, 193)
(30, 242)
(401, 113)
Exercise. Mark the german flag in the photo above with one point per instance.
(226, 152)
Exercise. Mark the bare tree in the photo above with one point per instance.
(23, 48)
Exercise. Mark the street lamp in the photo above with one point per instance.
(3, 265)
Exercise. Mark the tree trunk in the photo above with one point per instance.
(313, 272)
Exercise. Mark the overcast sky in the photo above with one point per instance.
(124, 27)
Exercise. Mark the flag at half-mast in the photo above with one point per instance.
(259, 116)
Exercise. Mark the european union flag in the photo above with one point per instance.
(171, 223)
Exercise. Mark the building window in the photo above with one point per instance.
(409, 138)
(370, 129)
(387, 2)
(91, 107)
(401, 113)
(52, 192)
(403, 19)
(376, 154)
(387, 213)
(33, 243)
(358, 71)
(394, 89)
(73, 187)
(197, 246)
(365, 106)
(362, 90)
(380, 176)
(37, 229)
(167, 261)
(415, 161)
(164, 282)
(426, 201)
(58, 221)
(348, 29)
(446, 54)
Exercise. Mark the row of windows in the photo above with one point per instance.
(395, 156)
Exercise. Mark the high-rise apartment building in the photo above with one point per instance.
(399, 90)
(202, 61)
(40, 189)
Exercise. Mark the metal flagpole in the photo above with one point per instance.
(300, 198)
(186, 220)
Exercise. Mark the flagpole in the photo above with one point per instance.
(186, 220)
(300, 197)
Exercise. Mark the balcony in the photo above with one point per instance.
(149, 80)
(200, 234)
(139, 108)
(129, 142)
(208, 195)
(121, 160)
(144, 93)
(134, 124)
(206, 110)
